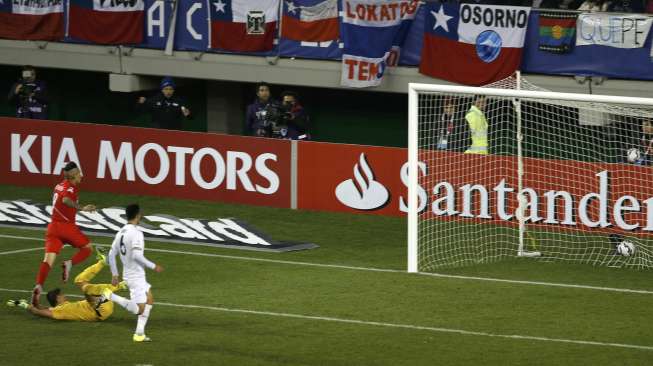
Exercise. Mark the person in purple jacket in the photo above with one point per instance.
(257, 119)
(29, 95)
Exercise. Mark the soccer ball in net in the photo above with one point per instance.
(626, 248)
(633, 155)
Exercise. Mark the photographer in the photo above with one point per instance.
(29, 96)
(166, 109)
(294, 117)
(257, 118)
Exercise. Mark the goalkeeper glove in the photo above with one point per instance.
(22, 303)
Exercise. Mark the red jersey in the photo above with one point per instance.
(60, 211)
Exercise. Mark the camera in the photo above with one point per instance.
(274, 119)
(26, 90)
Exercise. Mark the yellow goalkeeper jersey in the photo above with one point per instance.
(82, 311)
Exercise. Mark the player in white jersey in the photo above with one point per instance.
(129, 243)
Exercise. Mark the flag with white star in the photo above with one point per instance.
(473, 44)
(243, 25)
(32, 20)
(310, 20)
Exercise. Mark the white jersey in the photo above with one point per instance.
(130, 243)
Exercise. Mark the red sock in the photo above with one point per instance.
(80, 255)
(43, 273)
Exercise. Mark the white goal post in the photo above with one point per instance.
(559, 166)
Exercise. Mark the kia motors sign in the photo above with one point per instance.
(147, 161)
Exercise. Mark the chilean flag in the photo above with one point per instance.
(32, 20)
(107, 21)
(473, 44)
(243, 25)
(310, 20)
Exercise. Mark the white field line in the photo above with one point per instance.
(21, 251)
(392, 325)
(371, 269)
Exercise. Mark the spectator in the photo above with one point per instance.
(451, 130)
(649, 7)
(478, 126)
(626, 6)
(549, 4)
(647, 142)
(295, 117)
(594, 5)
(166, 109)
(557, 4)
(257, 119)
(29, 95)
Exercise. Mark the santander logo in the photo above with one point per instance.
(362, 192)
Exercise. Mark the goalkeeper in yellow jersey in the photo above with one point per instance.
(94, 308)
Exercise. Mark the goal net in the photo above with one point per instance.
(513, 170)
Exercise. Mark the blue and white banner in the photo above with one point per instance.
(192, 32)
(370, 29)
(608, 45)
(158, 17)
(329, 50)
(618, 31)
(411, 50)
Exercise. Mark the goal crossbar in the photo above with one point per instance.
(530, 94)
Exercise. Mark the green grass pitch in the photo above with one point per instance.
(222, 307)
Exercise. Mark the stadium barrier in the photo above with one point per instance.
(323, 176)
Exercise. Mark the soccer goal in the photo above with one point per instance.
(528, 173)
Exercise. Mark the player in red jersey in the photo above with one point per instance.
(63, 230)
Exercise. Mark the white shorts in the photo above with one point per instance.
(138, 289)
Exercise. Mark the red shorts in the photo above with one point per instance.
(60, 233)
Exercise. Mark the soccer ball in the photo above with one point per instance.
(633, 155)
(626, 248)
